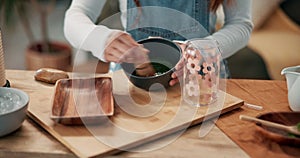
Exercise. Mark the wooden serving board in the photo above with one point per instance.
(138, 118)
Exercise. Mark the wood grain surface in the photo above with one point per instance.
(31, 141)
(76, 99)
(272, 96)
(170, 116)
(277, 135)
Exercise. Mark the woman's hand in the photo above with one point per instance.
(176, 76)
(178, 73)
(121, 47)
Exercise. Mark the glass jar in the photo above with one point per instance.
(201, 72)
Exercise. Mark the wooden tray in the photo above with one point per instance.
(83, 143)
(78, 101)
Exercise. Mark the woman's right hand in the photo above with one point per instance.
(121, 47)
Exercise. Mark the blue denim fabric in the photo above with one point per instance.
(171, 19)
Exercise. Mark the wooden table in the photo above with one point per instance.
(33, 141)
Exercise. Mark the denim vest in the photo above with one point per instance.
(170, 19)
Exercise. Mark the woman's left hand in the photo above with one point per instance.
(178, 73)
(178, 68)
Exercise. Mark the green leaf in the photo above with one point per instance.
(9, 7)
(290, 135)
(9, 10)
(1, 4)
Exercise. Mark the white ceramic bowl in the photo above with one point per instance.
(12, 117)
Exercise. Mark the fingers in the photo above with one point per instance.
(122, 48)
(173, 82)
(176, 76)
(178, 72)
(180, 64)
(122, 37)
(136, 55)
(178, 69)
(145, 70)
(113, 56)
(181, 44)
(128, 40)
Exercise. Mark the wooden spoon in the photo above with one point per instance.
(290, 129)
(145, 69)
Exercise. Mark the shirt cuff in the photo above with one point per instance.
(96, 41)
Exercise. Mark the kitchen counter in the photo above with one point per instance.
(224, 140)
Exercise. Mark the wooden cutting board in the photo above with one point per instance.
(138, 118)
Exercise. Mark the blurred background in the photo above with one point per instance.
(274, 44)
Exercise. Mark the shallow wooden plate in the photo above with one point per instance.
(280, 136)
(82, 101)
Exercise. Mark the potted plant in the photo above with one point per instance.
(44, 52)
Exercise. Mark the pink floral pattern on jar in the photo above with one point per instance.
(193, 65)
(201, 72)
(192, 89)
(208, 68)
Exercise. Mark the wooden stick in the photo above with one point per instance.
(263, 122)
(252, 106)
(291, 129)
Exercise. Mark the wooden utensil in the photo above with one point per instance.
(290, 129)
(145, 69)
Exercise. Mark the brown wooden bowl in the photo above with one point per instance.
(82, 101)
(277, 135)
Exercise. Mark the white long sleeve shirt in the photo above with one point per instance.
(82, 32)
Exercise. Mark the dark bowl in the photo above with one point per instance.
(162, 51)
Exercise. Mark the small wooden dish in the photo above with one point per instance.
(82, 101)
(277, 135)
